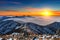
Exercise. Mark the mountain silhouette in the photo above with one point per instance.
(6, 17)
(7, 27)
(48, 29)
(10, 26)
(54, 25)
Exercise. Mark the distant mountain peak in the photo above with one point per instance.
(56, 23)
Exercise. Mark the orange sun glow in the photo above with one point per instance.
(46, 12)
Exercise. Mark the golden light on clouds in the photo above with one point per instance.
(44, 12)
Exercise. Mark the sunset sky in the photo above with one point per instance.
(28, 7)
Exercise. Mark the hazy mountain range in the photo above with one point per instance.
(10, 24)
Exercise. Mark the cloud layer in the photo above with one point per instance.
(33, 12)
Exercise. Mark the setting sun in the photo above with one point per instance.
(46, 12)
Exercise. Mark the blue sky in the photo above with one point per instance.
(21, 4)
